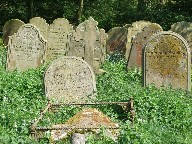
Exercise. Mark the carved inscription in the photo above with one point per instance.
(42, 25)
(167, 61)
(69, 79)
(25, 49)
(57, 38)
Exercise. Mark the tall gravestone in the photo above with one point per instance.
(25, 49)
(69, 79)
(42, 25)
(10, 28)
(138, 41)
(185, 30)
(89, 43)
(117, 40)
(58, 38)
(166, 61)
(132, 31)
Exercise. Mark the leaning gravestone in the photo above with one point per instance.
(135, 56)
(41, 24)
(58, 38)
(185, 30)
(25, 49)
(10, 28)
(89, 43)
(117, 40)
(132, 31)
(166, 61)
(69, 79)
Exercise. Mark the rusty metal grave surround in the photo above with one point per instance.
(61, 66)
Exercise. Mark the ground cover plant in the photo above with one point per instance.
(162, 115)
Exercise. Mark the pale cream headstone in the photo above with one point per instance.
(10, 28)
(58, 38)
(69, 79)
(89, 43)
(132, 31)
(166, 61)
(42, 25)
(25, 49)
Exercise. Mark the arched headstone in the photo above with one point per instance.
(166, 61)
(132, 31)
(135, 56)
(25, 49)
(58, 38)
(69, 79)
(10, 28)
(185, 30)
(41, 24)
(117, 40)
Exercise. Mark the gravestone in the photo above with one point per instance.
(166, 61)
(117, 40)
(87, 118)
(132, 31)
(25, 49)
(57, 39)
(10, 28)
(42, 25)
(89, 43)
(138, 41)
(185, 30)
(69, 79)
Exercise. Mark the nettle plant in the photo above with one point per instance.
(162, 115)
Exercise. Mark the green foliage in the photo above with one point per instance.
(163, 115)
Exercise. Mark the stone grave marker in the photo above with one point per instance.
(138, 41)
(25, 49)
(42, 25)
(117, 40)
(10, 28)
(89, 43)
(185, 30)
(132, 31)
(58, 38)
(69, 79)
(88, 117)
(166, 61)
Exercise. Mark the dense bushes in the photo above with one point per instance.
(162, 115)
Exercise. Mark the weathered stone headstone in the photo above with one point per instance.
(117, 40)
(10, 28)
(58, 38)
(69, 79)
(132, 31)
(88, 42)
(166, 61)
(87, 118)
(138, 41)
(185, 30)
(25, 49)
(42, 25)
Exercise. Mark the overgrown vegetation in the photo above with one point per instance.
(162, 115)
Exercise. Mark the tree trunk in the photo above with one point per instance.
(80, 11)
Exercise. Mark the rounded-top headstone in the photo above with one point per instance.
(139, 40)
(69, 79)
(166, 61)
(10, 28)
